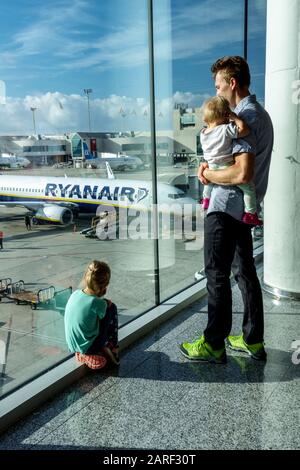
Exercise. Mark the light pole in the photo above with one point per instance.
(88, 91)
(33, 118)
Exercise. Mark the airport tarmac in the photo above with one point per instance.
(51, 255)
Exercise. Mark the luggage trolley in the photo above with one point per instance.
(4, 283)
(18, 293)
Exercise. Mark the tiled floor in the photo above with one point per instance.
(158, 400)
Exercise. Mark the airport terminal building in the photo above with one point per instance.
(178, 144)
(151, 59)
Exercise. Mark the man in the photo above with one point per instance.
(28, 222)
(228, 241)
(1, 239)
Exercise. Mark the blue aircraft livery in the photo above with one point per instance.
(88, 191)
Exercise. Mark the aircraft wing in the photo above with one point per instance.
(34, 205)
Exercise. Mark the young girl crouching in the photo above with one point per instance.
(91, 322)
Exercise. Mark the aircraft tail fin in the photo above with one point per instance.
(87, 154)
(110, 174)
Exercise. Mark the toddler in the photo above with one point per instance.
(216, 139)
(91, 322)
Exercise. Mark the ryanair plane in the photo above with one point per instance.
(57, 199)
(8, 160)
(121, 162)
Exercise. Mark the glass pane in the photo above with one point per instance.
(77, 96)
(257, 46)
(189, 36)
(256, 57)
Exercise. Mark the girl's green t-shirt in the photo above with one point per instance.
(82, 316)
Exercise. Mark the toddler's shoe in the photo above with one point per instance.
(93, 361)
(205, 203)
(251, 219)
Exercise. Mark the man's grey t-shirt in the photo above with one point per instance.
(229, 199)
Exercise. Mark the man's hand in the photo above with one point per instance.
(201, 170)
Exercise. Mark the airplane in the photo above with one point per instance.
(122, 162)
(11, 161)
(56, 199)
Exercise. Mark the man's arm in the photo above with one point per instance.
(240, 172)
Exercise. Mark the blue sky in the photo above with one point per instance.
(51, 50)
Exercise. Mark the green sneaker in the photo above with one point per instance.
(201, 351)
(257, 351)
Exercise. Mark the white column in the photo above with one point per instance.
(282, 202)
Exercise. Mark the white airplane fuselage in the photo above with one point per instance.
(54, 199)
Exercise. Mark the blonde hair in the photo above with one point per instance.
(216, 109)
(97, 277)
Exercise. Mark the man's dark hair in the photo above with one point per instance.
(233, 67)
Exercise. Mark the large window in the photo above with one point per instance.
(75, 72)
(80, 75)
(188, 37)
(256, 50)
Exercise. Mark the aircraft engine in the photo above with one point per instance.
(54, 214)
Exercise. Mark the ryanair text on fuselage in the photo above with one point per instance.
(95, 192)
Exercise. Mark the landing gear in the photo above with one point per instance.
(35, 221)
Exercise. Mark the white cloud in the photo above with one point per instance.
(58, 32)
(47, 33)
(56, 112)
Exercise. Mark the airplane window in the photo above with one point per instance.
(176, 195)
